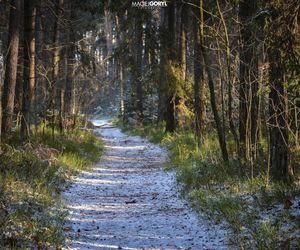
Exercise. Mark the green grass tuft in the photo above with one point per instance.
(31, 175)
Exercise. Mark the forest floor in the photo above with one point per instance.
(128, 201)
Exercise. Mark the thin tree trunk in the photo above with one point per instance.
(19, 87)
(69, 80)
(207, 63)
(122, 90)
(56, 60)
(138, 66)
(165, 31)
(29, 65)
(220, 131)
(279, 156)
(248, 79)
(229, 81)
(161, 107)
(198, 79)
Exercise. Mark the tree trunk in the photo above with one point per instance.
(171, 54)
(198, 78)
(181, 16)
(71, 48)
(220, 130)
(29, 65)
(207, 63)
(229, 81)
(56, 61)
(170, 115)
(11, 66)
(161, 112)
(138, 66)
(19, 87)
(122, 91)
(42, 61)
(248, 78)
(279, 162)
(69, 81)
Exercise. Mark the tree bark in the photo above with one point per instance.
(248, 79)
(56, 63)
(171, 54)
(11, 66)
(220, 130)
(207, 63)
(181, 16)
(229, 81)
(69, 81)
(279, 156)
(161, 116)
(29, 65)
(138, 66)
(198, 79)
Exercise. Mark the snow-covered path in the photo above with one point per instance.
(127, 201)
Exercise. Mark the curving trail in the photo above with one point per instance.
(127, 201)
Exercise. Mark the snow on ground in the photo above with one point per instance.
(127, 201)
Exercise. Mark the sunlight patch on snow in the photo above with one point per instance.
(81, 220)
(105, 246)
(126, 147)
(117, 170)
(98, 208)
(89, 173)
(105, 207)
(115, 158)
(97, 182)
(98, 122)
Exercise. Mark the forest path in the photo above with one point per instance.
(127, 201)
